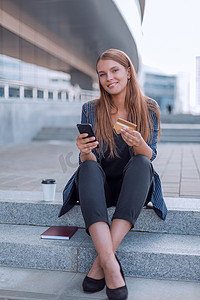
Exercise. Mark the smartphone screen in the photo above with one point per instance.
(86, 128)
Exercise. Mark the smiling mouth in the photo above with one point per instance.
(112, 84)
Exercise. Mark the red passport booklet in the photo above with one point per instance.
(59, 232)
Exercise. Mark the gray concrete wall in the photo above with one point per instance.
(21, 120)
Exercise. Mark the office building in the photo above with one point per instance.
(162, 88)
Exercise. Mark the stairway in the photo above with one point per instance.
(69, 133)
(154, 249)
(174, 128)
(180, 133)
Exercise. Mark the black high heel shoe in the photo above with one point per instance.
(91, 285)
(120, 293)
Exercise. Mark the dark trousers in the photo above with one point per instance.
(129, 193)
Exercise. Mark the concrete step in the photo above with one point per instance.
(187, 133)
(179, 139)
(55, 133)
(27, 208)
(151, 255)
(180, 118)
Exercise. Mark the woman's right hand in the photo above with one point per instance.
(83, 145)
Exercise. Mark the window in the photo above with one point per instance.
(28, 93)
(50, 95)
(13, 92)
(1, 91)
(59, 95)
(40, 94)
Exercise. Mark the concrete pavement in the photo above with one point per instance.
(23, 166)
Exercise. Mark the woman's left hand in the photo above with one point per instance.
(132, 138)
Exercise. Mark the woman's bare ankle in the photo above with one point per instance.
(112, 272)
(96, 271)
(106, 259)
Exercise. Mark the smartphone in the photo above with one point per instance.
(87, 128)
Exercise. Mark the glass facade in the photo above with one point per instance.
(67, 36)
(198, 80)
(18, 73)
(26, 70)
(162, 88)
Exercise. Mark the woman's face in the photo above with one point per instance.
(113, 76)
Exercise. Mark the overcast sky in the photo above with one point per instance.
(171, 30)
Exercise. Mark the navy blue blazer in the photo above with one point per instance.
(70, 197)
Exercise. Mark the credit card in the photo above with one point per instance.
(121, 123)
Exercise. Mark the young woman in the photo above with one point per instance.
(119, 172)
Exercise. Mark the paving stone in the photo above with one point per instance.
(188, 180)
(192, 185)
(170, 179)
(190, 188)
(42, 159)
(185, 193)
(8, 179)
(167, 194)
(170, 188)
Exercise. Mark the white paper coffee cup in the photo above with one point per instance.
(49, 189)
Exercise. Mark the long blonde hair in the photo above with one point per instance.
(136, 103)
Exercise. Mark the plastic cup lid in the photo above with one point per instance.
(48, 181)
